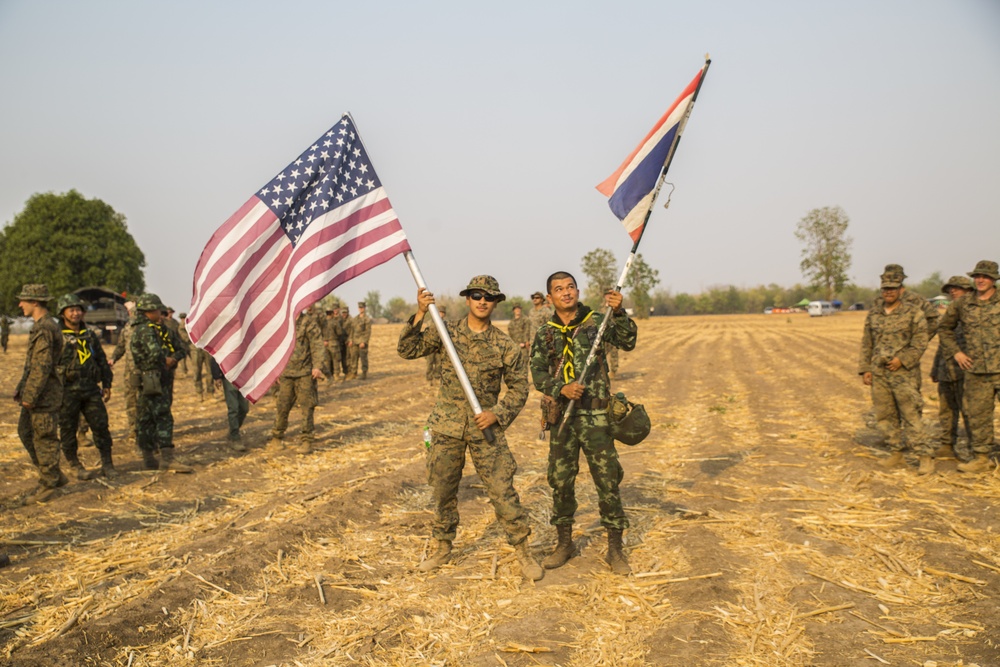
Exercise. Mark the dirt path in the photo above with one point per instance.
(761, 533)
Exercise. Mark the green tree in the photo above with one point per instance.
(826, 255)
(930, 286)
(397, 310)
(599, 265)
(642, 278)
(373, 303)
(67, 241)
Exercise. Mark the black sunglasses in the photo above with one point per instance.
(476, 295)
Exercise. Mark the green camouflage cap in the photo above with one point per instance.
(894, 271)
(958, 281)
(486, 284)
(148, 302)
(39, 293)
(66, 301)
(890, 281)
(986, 268)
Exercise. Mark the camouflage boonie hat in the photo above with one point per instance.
(66, 301)
(39, 293)
(891, 282)
(148, 302)
(361, 304)
(958, 281)
(894, 270)
(986, 268)
(538, 295)
(486, 284)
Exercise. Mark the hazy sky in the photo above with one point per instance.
(490, 125)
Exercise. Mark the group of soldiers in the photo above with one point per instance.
(966, 367)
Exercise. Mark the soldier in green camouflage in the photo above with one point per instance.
(950, 379)
(180, 328)
(357, 344)
(538, 316)
(129, 383)
(519, 330)
(894, 339)
(434, 359)
(558, 354)
(332, 326)
(297, 383)
(978, 314)
(39, 393)
(86, 377)
(156, 351)
(344, 335)
(489, 357)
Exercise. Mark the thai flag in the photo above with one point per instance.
(630, 188)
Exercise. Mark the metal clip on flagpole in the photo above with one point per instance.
(449, 346)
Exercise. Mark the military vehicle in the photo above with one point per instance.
(105, 311)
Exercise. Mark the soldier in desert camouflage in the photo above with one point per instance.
(519, 330)
(539, 314)
(489, 357)
(357, 344)
(434, 359)
(950, 379)
(297, 384)
(895, 337)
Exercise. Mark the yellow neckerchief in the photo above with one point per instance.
(82, 351)
(569, 373)
(164, 335)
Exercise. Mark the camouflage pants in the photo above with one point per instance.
(343, 356)
(91, 406)
(495, 466)
(39, 434)
(980, 399)
(131, 399)
(949, 410)
(237, 407)
(331, 357)
(898, 406)
(202, 369)
(291, 390)
(357, 353)
(154, 420)
(589, 431)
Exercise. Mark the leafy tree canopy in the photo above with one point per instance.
(600, 267)
(68, 241)
(642, 278)
(826, 252)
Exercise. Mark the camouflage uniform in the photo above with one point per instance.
(361, 333)
(520, 332)
(489, 357)
(41, 389)
(588, 427)
(85, 373)
(152, 344)
(896, 396)
(296, 383)
(180, 328)
(130, 379)
(537, 317)
(332, 326)
(202, 362)
(950, 379)
(980, 322)
(434, 359)
(344, 335)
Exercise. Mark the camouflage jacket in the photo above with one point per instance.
(40, 385)
(152, 344)
(520, 330)
(83, 366)
(308, 352)
(980, 321)
(489, 357)
(537, 317)
(553, 366)
(901, 333)
(123, 348)
(945, 368)
(929, 309)
(346, 327)
(361, 329)
(182, 331)
(333, 327)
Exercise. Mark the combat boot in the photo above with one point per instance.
(167, 462)
(441, 556)
(108, 466)
(530, 568)
(236, 443)
(275, 446)
(81, 473)
(149, 461)
(305, 447)
(564, 549)
(979, 464)
(926, 465)
(364, 375)
(616, 555)
(894, 460)
(40, 494)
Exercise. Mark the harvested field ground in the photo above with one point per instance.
(762, 532)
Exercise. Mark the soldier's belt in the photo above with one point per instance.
(589, 403)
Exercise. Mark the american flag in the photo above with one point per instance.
(320, 222)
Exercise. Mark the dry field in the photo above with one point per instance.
(762, 532)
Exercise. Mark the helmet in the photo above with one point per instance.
(629, 421)
(67, 301)
(148, 302)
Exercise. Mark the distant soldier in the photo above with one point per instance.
(130, 379)
(979, 317)
(39, 393)
(297, 384)
(519, 330)
(435, 358)
(237, 408)
(332, 325)
(156, 351)
(539, 314)
(895, 337)
(894, 273)
(202, 362)
(344, 335)
(950, 379)
(182, 331)
(4, 331)
(361, 333)
(558, 356)
(86, 377)
(489, 357)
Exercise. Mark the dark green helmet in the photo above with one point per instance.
(67, 301)
(629, 422)
(148, 302)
